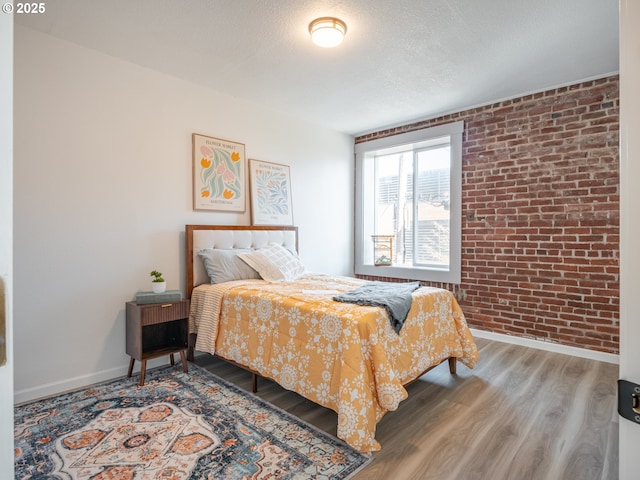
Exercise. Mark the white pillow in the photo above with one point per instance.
(274, 263)
(225, 266)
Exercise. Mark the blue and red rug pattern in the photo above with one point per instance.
(176, 426)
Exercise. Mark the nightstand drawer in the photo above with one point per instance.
(163, 312)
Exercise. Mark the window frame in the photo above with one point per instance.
(417, 139)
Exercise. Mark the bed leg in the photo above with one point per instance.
(452, 365)
(191, 343)
(254, 383)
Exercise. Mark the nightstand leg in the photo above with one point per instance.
(143, 370)
(131, 362)
(173, 362)
(183, 357)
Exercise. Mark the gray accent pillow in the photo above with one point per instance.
(224, 265)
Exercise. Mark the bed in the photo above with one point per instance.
(342, 356)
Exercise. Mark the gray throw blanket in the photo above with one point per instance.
(394, 297)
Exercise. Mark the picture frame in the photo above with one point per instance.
(270, 186)
(219, 174)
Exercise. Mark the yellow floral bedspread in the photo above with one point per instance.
(342, 356)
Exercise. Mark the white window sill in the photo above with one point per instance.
(409, 273)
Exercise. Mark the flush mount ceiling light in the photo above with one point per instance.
(327, 31)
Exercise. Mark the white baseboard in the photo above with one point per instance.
(55, 388)
(548, 346)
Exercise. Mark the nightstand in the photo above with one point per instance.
(157, 329)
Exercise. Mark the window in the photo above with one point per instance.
(408, 187)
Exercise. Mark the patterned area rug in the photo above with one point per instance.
(176, 426)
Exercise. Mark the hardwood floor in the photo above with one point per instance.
(520, 414)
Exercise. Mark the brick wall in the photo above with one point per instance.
(540, 206)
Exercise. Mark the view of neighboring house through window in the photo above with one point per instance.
(416, 213)
(408, 188)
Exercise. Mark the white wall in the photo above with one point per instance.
(103, 191)
(629, 224)
(6, 225)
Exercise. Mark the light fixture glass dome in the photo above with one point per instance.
(327, 31)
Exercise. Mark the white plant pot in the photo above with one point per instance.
(158, 287)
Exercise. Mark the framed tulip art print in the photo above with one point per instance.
(219, 174)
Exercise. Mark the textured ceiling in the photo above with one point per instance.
(401, 60)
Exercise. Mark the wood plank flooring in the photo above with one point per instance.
(520, 414)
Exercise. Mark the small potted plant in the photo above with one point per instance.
(158, 285)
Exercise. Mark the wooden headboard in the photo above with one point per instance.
(230, 236)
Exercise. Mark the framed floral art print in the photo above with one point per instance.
(219, 174)
(270, 185)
